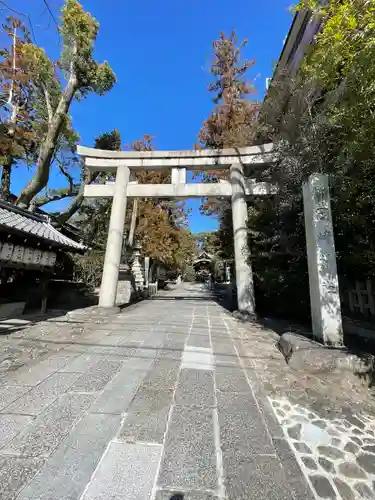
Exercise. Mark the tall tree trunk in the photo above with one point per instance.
(73, 207)
(133, 223)
(5, 182)
(76, 203)
(47, 148)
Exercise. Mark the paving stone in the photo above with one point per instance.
(134, 363)
(355, 421)
(294, 432)
(145, 353)
(195, 388)
(81, 364)
(280, 413)
(330, 452)
(231, 380)
(356, 440)
(42, 436)
(369, 440)
(189, 459)
(302, 448)
(35, 374)
(322, 486)
(294, 476)
(242, 427)
(41, 396)
(351, 448)
(126, 472)
(155, 341)
(367, 462)
(357, 432)
(352, 471)
(344, 489)
(364, 490)
(15, 473)
(256, 477)
(10, 426)
(115, 352)
(139, 336)
(97, 378)
(369, 448)
(10, 393)
(267, 412)
(198, 358)
(147, 416)
(223, 346)
(119, 392)
(320, 423)
(326, 464)
(163, 375)
(68, 471)
(199, 340)
(309, 463)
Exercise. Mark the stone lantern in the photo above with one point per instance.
(136, 266)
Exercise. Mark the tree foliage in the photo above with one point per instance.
(326, 125)
(161, 224)
(74, 75)
(17, 99)
(231, 123)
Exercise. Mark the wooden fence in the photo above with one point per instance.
(359, 301)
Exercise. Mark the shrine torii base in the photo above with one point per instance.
(326, 325)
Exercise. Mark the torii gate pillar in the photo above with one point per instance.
(108, 288)
(244, 274)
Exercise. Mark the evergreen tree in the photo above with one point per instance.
(231, 123)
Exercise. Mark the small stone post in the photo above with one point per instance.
(323, 280)
(108, 288)
(244, 274)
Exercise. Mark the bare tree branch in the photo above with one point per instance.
(56, 194)
(88, 178)
(48, 103)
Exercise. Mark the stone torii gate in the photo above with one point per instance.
(324, 295)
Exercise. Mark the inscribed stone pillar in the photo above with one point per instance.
(108, 288)
(323, 280)
(244, 274)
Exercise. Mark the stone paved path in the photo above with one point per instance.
(140, 405)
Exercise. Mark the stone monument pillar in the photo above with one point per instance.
(323, 280)
(244, 274)
(108, 288)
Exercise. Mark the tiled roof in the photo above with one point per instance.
(37, 225)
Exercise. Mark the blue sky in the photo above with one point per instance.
(161, 53)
